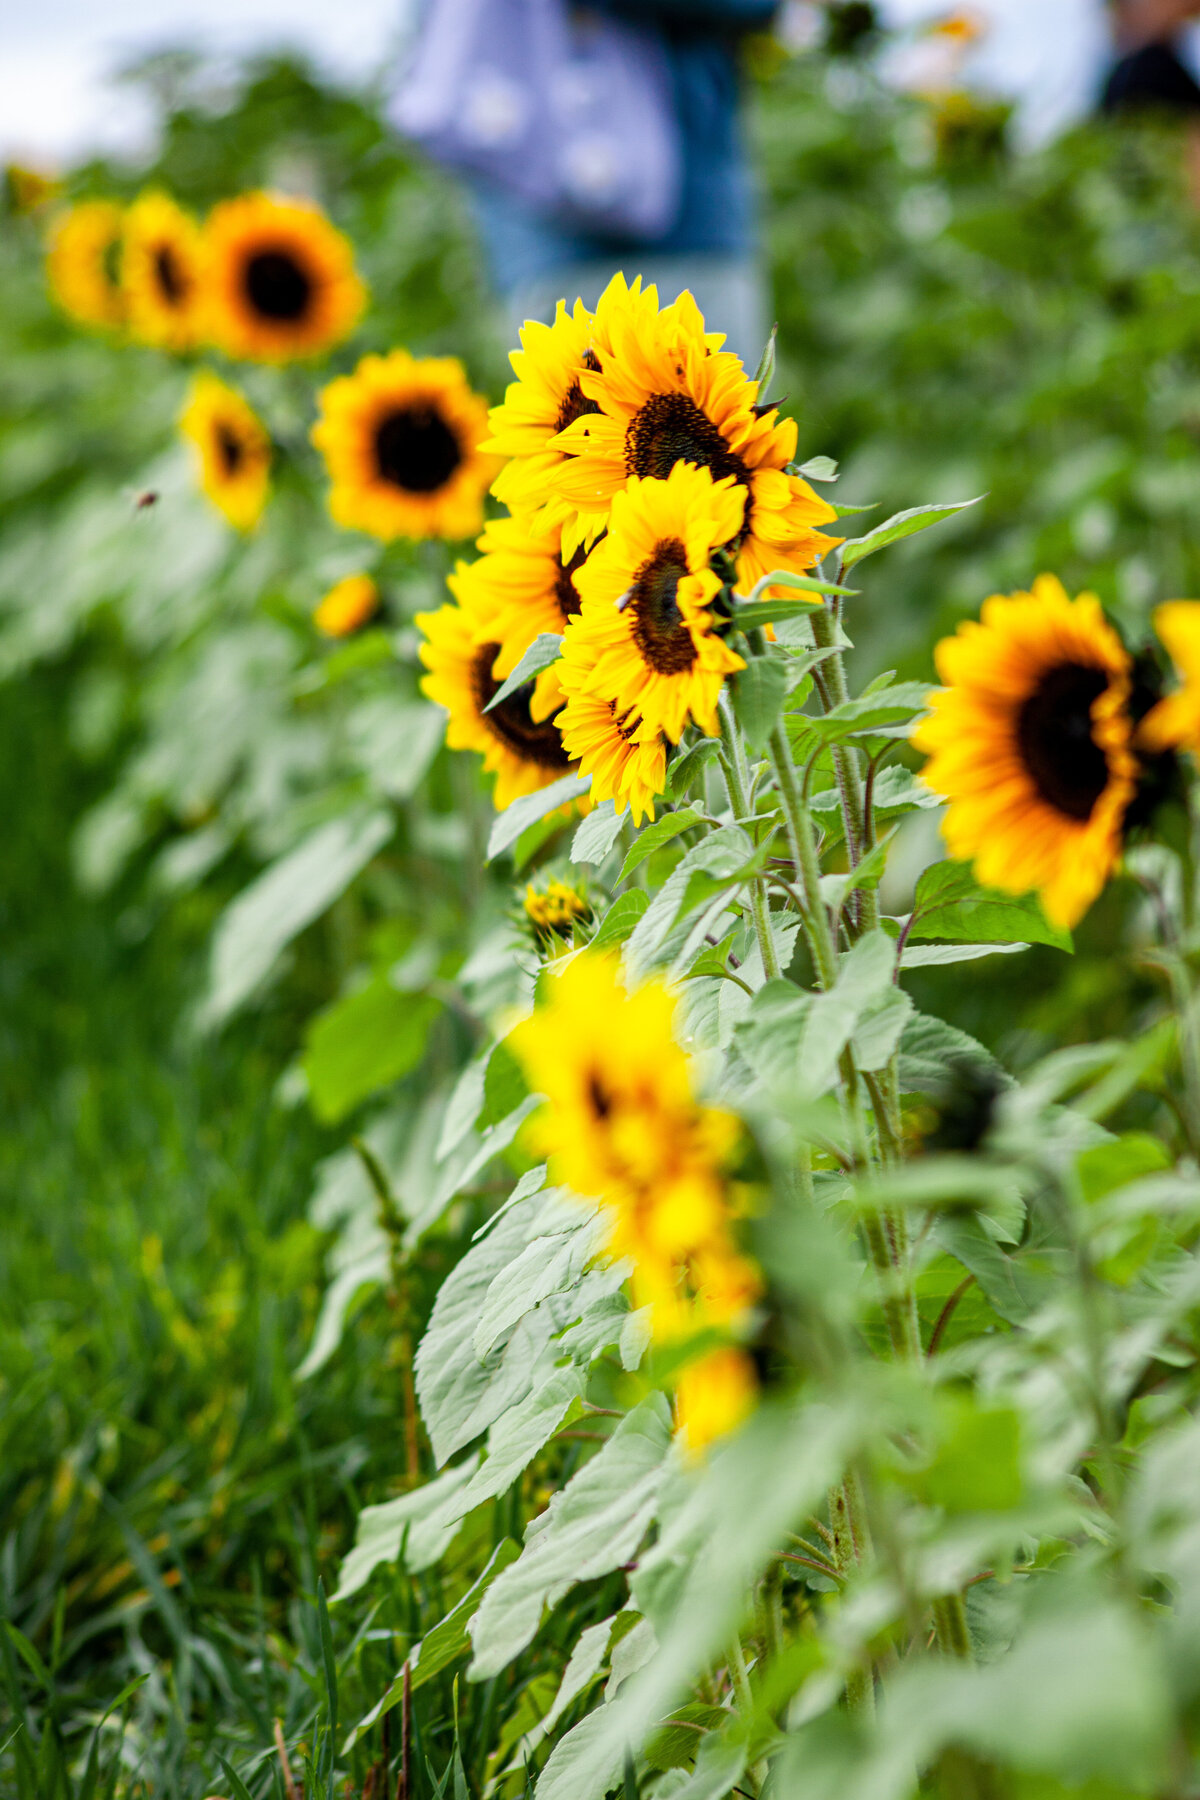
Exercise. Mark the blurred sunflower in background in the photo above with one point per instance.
(522, 752)
(1030, 741)
(347, 606)
(233, 446)
(400, 438)
(667, 394)
(647, 593)
(160, 273)
(83, 263)
(279, 279)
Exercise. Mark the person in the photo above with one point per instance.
(712, 247)
(1149, 71)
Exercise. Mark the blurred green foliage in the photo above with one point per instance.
(951, 323)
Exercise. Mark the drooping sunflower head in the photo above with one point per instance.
(233, 447)
(347, 606)
(279, 279)
(160, 272)
(1030, 742)
(625, 767)
(523, 587)
(83, 264)
(665, 393)
(522, 752)
(622, 1123)
(400, 439)
(544, 399)
(647, 592)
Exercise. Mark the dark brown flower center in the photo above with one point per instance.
(276, 285)
(511, 721)
(575, 403)
(671, 428)
(230, 449)
(416, 450)
(565, 591)
(1056, 739)
(172, 283)
(658, 628)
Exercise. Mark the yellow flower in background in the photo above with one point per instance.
(647, 592)
(545, 398)
(279, 279)
(667, 394)
(713, 1396)
(83, 262)
(1175, 722)
(622, 1123)
(519, 588)
(347, 606)
(1029, 741)
(160, 273)
(234, 449)
(400, 439)
(555, 907)
(524, 754)
(625, 768)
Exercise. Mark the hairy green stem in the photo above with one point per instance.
(732, 767)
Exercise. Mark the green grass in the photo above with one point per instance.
(168, 1493)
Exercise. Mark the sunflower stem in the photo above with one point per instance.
(733, 769)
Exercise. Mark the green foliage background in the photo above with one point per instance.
(171, 1495)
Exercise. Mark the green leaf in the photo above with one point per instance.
(263, 920)
(526, 811)
(586, 1764)
(683, 770)
(548, 1265)
(930, 956)
(363, 1043)
(677, 1741)
(1106, 1167)
(901, 525)
(621, 918)
(819, 468)
(752, 613)
(759, 691)
(328, 1660)
(597, 834)
(949, 903)
(653, 837)
(800, 584)
(1012, 1289)
(504, 1085)
(977, 1464)
(545, 649)
(889, 706)
(412, 1524)
(929, 1046)
(592, 1526)
(238, 1787)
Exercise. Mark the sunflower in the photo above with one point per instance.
(280, 281)
(667, 394)
(83, 262)
(234, 449)
(606, 742)
(545, 398)
(714, 1394)
(1029, 741)
(347, 606)
(1175, 722)
(160, 273)
(520, 587)
(400, 440)
(524, 753)
(647, 592)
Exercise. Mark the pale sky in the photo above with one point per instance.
(54, 55)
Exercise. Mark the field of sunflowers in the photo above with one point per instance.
(600, 1050)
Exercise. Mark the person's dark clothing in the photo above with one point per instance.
(1150, 79)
